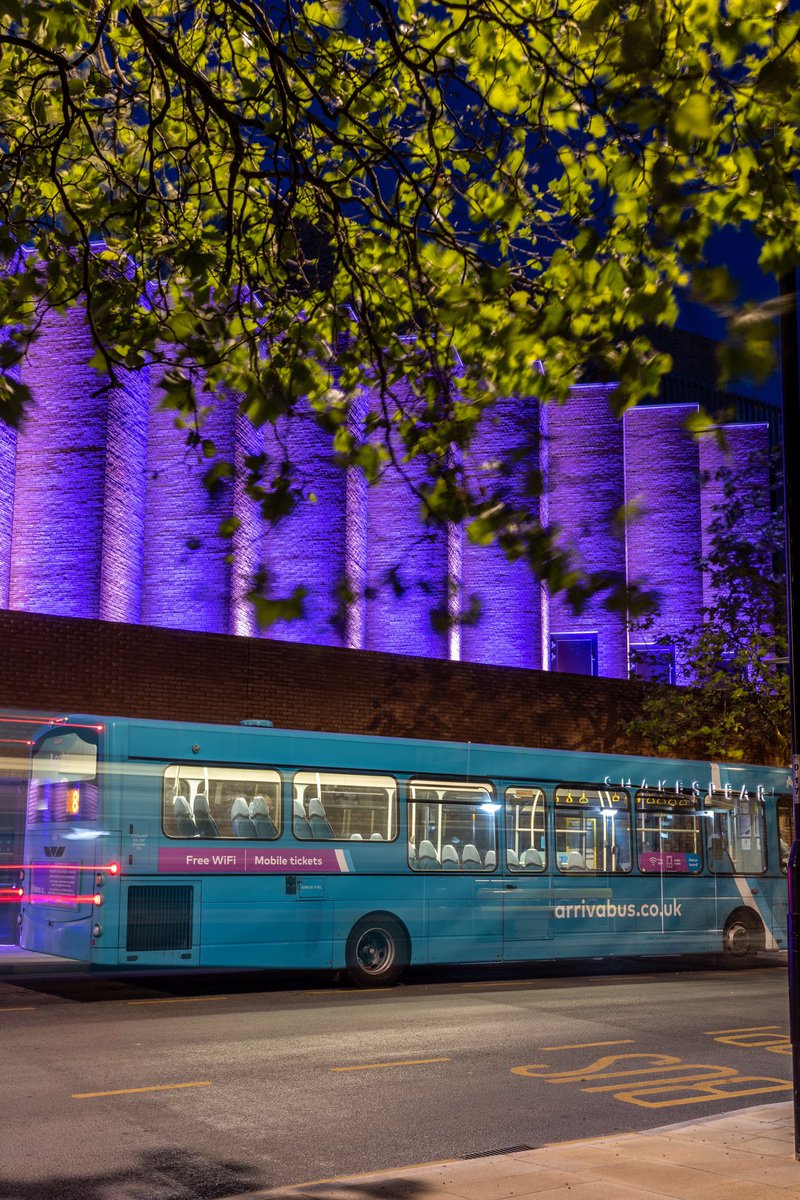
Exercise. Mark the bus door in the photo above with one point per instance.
(736, 846)
(592, 905)
(12, 820)
(779, 866)
(527, 883)
(453, 844)
(62, 845)
(673, 900)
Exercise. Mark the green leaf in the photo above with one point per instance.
(694, 117)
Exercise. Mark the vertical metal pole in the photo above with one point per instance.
(790, 399)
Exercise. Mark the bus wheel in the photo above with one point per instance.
(377, 951)
(741, 940)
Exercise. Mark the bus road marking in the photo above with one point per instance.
(657, 1080)
(744, 1029)
(588, 1045)
(156, 1087)
(405, 1062)
(755, 1037)
(178, 1000)
(27, 1008)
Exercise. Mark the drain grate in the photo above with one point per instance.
(491, 1153)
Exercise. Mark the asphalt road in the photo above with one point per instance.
(196, 1087)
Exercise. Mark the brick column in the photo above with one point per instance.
(662, 471)
(586, 486)
(186, 582)
(407, 564)
(307, 548)
(502, 456)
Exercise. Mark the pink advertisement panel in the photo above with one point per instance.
(669, 862)
(249, 860)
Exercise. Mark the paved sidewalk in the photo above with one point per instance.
(14, 961)
(744, 1155)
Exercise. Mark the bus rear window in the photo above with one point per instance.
(63, 783)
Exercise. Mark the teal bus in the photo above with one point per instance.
(153, 844)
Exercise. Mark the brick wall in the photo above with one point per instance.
(65, 663)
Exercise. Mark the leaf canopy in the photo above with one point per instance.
(422, 199)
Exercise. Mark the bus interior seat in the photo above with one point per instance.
(206, 825)
(575, 861)
(490, 860)
(241, 824)
(320, 825)
(300, 825)
(450, 859)
(184, 821)
(412, 854)
(259, 815)
(533, 858)
(356, 837)
(376, 837)
(427, 856)
(470, 859)
(512, 858)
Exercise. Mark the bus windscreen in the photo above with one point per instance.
(63, 778)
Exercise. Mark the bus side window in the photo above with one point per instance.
(451, 826)
(670, 831)
(342, 807)
(526, 848)
(593, 830)
(220, 802)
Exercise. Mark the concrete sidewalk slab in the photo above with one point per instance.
(743, 1155)
(15, 961)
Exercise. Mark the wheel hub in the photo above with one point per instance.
(375, 951)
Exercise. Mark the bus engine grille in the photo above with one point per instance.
(160, 918)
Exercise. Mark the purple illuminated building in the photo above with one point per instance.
(104, 514)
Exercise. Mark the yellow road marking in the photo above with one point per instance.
(27, 1008)
(406, 1062)
(586, 1045)
(744, 1029)
(157, 1087)
(178, 1000)
(499, 983)
(338, 991)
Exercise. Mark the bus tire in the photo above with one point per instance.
(742, 938)
(377, 951)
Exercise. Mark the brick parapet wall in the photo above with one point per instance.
(62, 664)
(65, 663)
